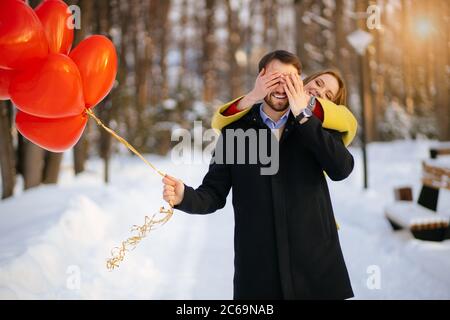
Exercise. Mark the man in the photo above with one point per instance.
(286, 241)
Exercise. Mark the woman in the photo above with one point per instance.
(330, 91)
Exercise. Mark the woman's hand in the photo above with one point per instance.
(173, 191)
(298, 98)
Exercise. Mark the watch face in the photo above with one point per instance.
(307, 112)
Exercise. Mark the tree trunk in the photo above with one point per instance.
(234, 42)
(104, 9)
(269, 11)
(164, 42)
(52, 166)
(142, 49)
(7, 157)
(208, 44)
(183, 46)
(33, 3)
(407, 61)
(33, 164)
(105, 138)
(80, 151)
(343, 51)
(300, 8)
(379, 95)
(368, 124)
(442, 59)
(20, 154)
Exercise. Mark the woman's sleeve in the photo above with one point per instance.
(339, 118)
(220, 120)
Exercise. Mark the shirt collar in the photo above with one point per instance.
(273, 124)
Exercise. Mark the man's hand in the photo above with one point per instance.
(264, 84)
(173, 191)
(298, 98)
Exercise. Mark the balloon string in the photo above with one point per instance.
(123, 141)
(140, 232)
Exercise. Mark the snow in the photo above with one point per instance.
(440, 162)
(169, 104)
(55, 239)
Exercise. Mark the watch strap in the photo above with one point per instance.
(312, 103)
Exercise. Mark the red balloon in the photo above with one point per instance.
(22, 36)
(51, 89)
(54, 16)
(5, 79)
(56, 135)
(96, 59)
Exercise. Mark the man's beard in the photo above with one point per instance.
(276, 106)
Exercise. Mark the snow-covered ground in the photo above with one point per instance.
(54, 240)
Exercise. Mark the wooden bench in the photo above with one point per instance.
(421, 218)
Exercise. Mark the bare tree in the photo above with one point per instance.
(379, 74)
(301, 36)
(234, 43)
(442, 54)
(52, 166)
(159, 28)
(80, 151)
(269, 11)
(208, 58)
(368, 123)
(32, 164)
(407, 63)
(7, 157)
(183, 44)
(164, 38)
(104, 13)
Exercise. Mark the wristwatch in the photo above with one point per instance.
(307, 112)
(312, 103)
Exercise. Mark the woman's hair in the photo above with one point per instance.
(341, 96)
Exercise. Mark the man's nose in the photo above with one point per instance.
(279, 88)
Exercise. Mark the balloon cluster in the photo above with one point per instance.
(51, 85)
(54, 88)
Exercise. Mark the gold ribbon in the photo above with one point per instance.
(140, 232)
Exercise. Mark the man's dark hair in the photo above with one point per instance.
(282, 55)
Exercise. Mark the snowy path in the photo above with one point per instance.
(55, 234)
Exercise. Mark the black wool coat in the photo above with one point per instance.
(285, 239)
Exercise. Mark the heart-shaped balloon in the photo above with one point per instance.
(96, 59)
(56, 135)
(22, 37)
(54, 15)
(51, 89)
(5, 80)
